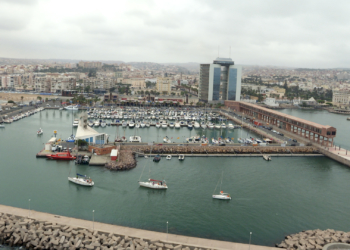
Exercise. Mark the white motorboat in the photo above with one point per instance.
(222, 196)
(40, 132)
(164, 124)
(96, 123)
(135, 138)
(171, 125)
(177, 125)
(157, 125)
(82, 180)
(147, 124)
(137, 125)
(181, 157)
(196, 125)
(103, 124)
(203, 125)
(142, 124)
(124, 124)
(217, 126)
(131, 124)
(154, 184)
(267, 157)
(223, 125)
(168, 157)
(2, 126)
(90, 124)
(230, 126)
(76, 123)
(71, 107)
(166, 139)
(60, 109)
(210, 125)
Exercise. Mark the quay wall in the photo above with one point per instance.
(37, 230)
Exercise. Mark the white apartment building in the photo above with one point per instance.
(164, 84)
(341, 97)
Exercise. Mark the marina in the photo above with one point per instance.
(250, 181)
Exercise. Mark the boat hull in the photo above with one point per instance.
(81, 181)
(152, 185)
(221, 197)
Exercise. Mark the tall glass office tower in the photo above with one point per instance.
(220, 81)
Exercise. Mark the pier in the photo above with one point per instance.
(33, 229)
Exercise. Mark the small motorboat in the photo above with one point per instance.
(103, 124)
(135, 138)
(40, 132)
(267, 157)
(131, 124)
(181, 157)
(65, 156)
(168, 157)
(166, 139)
(71, 138)
(82, 159)
(222, 196)
(76, 123)
(157, 158)
(230, 126)
(82, 180)
(2, 126)
(155, 184)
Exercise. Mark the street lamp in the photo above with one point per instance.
(93, 219)
(250, 237)
(29, 208)
(166, 231)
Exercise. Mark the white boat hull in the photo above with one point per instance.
(153, 185)
(221, 197)
(81, 181)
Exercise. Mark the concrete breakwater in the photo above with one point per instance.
(164, 149)
(35, 234)
(314, 239)
(47, 231)
(127, 160)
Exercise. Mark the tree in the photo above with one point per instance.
(39, 98)
(165, 92)
(87, 89)
(22, 99)
(172, 93)
(92, 73)
(10, 101)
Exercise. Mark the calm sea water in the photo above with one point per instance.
(269, 199)
(325, 118)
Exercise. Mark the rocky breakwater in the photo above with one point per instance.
(126, 160)
(314, 239)
(35, 234)
(164, 149)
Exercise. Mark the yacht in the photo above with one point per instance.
(158, 125)
(177, 125)
(147, 124)
(230, 126)
(168, 157)
(71, 107)
(96, 123)
(181, 157)
(217, 126)
(223, 125)
(82, 180)
(76, 123)
(142, 124)
(124, 124)
(155, 184)
(90, 124)
(203, 124)
(131, 124)
(103, 124)
(171, 124)
(222, 196)
(196, 125)
(210, 125)
(164, 124)
(135, 138)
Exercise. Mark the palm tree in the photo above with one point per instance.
(22, 99)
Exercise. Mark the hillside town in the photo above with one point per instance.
(270, 86)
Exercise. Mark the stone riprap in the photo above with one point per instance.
(36, 234)
(314, 239)
(164, 149)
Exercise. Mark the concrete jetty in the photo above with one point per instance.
(38, 230)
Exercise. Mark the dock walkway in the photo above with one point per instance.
(131, 232)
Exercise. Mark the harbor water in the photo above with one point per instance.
(269, 199)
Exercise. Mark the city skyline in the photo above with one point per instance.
(284, 34)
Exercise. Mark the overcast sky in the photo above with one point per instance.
(263, 32)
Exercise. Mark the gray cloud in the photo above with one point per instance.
(271, 32)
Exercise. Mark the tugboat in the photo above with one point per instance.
(157, 158)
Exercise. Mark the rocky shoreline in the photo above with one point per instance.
(314, 239)
(126, 161)
(35, 234)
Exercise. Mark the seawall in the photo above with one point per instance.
(38, 230)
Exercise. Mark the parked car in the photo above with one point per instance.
(293, 144)
(274, 131)
(295, 140)
(281, 134)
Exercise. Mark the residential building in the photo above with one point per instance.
(136, 83)
(164, 84)
(220, 81)
(341, 97)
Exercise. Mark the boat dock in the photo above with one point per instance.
(56, 231)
